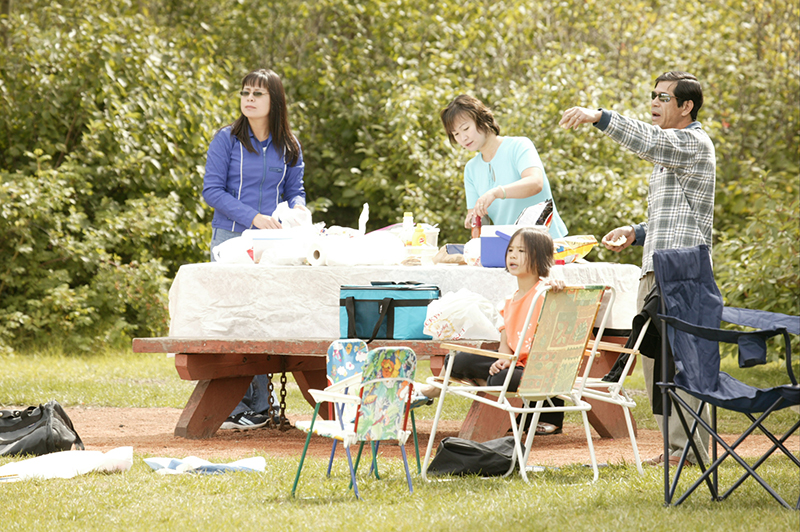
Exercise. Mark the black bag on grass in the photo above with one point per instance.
(37, 430)
(457, 456)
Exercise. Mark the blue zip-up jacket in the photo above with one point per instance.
(240, 184)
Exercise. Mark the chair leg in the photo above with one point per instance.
(588, 431)
(352, 471)
(330, 462)
(526, 453)
(429, 449)
(408, 473)
(679, 405)
(374, 466)
(416, 441)
(305, 449)
(777, 444)
(626, 411)
(730, 451)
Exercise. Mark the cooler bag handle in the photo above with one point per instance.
(350, 306)
(386, 304)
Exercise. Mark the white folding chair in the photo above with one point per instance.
(559, 341)
(613, 391)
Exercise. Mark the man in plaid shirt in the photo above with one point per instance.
(680, 199)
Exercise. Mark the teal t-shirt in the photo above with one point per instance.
(514, 156)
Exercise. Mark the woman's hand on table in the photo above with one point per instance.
(262, 221)
(619, 238)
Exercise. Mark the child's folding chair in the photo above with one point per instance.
(382, 408)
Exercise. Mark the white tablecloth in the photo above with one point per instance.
(252, 301)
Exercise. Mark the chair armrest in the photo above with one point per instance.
(352, 380)
(610, 346)
(324, 395)
(761, 319)
(477, 351)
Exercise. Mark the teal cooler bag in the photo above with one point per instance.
(385, 310)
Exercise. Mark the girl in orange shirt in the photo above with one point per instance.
(529, 257)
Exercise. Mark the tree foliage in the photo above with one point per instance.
(107, 109)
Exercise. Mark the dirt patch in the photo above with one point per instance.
(150, 432)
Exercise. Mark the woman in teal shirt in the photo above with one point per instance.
(506, 175)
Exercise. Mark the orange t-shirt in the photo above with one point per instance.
(514, 314)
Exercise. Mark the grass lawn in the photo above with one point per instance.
(142, 500)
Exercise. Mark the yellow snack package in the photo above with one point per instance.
(571, 248)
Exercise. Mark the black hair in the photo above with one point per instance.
(687, 88)
(278, 118)
(538, 246)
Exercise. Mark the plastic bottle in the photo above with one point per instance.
(476, 227)
(418, 239)
(408, 228)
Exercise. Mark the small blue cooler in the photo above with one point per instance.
(494, 243)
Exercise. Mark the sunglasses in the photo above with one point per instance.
(256, 94)
(662, 96)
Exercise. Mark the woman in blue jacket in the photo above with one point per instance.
(252, 165)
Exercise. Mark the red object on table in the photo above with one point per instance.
(476, 227)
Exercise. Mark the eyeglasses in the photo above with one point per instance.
(256, 94)
(662, 96)
(491, 173)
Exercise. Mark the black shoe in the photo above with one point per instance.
(245, 421)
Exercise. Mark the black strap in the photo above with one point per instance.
(350, 306)
(385, 305)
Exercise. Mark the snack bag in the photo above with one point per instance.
(571, 248)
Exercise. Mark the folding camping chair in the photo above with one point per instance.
(559, 341)
(692, 309)
(385, 386)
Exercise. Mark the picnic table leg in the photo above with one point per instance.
(312, 380)
(606, 418)
(210, 404)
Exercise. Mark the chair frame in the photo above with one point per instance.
(542, 404)
(335, 411)
(614, 392)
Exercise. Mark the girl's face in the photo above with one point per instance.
(466, 133)
(256, 104)
(517, 259)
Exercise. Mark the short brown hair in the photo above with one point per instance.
(464, 104)
(538, 246)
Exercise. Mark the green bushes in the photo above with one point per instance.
(121, 99)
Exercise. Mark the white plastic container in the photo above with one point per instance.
(286, 247)
(432, 237)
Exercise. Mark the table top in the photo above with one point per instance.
(212, 300)
(316, 347)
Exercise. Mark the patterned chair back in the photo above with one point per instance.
(383, 402)
(559, 341)
(345, 358)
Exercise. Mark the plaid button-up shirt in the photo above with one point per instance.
(680, 201)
